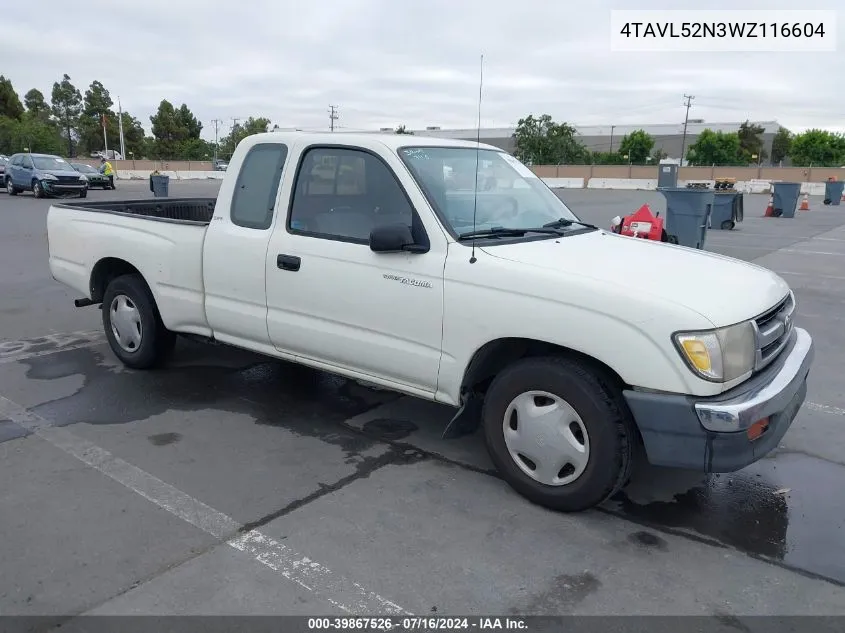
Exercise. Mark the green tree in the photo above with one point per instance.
(189, 122)
(751, 142)
(715, 148)
(541, 141)
(781, 145)
(819, 148)
(402, 130)
(10, 103)
(607, 158)
(67, 107)
(253, 125)
(658, 154)
(97, 108)
(637, 145)
(134, 136)
(31, 131)
(36, 104)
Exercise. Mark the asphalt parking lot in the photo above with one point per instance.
(229, 483)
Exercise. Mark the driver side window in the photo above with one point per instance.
(344, 193)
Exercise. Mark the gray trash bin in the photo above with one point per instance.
(727, 210)
(833, 192)
(687, 215)
(785, 199)
(160, 185)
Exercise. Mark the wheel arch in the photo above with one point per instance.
(104, 271)
(494, 355)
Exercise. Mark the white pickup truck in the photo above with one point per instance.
(384, 259)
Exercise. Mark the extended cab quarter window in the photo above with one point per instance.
(258, 185)
(343, 193)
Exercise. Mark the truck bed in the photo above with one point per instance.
(179, 210)
(162, 238)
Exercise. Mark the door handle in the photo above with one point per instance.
(288, 262)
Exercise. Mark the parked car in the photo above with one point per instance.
(45, 175)
(3, 162)
(500, 303)
(220, 165)
(95, 178)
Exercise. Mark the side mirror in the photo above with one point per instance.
(393, 238)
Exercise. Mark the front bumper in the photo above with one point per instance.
(56, 188)
(710, 434)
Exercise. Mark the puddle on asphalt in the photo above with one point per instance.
(786, 508)
(789, 508)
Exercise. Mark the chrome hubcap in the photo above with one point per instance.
(546, 438)
(125, 320)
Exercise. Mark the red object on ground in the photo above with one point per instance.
(642, 223)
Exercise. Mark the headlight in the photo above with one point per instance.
(719, 355)
(83, 177)
(48, 177)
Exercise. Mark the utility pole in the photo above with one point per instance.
(215, 123)
(612, 127)
(689, 99)
(332, 116)
(120, 129)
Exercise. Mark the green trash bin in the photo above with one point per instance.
(833, 192)
(727, 210)
(785, 199)
(687, 215)
(160, 185)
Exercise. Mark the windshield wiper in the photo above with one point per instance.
(502, 231)
(562, 222)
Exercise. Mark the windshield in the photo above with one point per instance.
(48, 163)
(509, 194)
(84, 168)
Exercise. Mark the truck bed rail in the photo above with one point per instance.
(181, 210)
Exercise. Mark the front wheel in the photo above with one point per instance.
(558, 433)
(132, 323)
(83, 193)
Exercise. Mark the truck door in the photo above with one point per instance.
(330, 298)
(235, 248)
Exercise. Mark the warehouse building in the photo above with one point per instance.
(605, 138)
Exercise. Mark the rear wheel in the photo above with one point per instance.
(558, 433)
(132, 324)
(10, 188)
(727, 225)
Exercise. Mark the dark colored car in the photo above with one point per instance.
(3, 161)
(44, 175)
(95, 178)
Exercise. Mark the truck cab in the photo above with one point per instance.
(368, 256)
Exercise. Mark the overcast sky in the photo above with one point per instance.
(412, 62)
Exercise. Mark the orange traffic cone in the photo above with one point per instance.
(805, 203)
(770, 209)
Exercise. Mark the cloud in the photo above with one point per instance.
(389, 62)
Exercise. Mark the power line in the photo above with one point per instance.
(333, 116)
(689, 99)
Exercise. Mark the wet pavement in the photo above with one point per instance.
(99, 464)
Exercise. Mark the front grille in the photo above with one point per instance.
(772, 330)
(68, 180)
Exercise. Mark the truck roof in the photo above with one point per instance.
(392, 141)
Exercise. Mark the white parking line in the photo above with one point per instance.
(24, 349)
(813, 406)
(309, 574)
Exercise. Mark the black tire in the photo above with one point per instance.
(83, 193)
(37, 189)
(10, 188)
(157, 342)
(727, 225)
(608, 423)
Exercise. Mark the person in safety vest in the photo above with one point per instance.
(107, 170)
